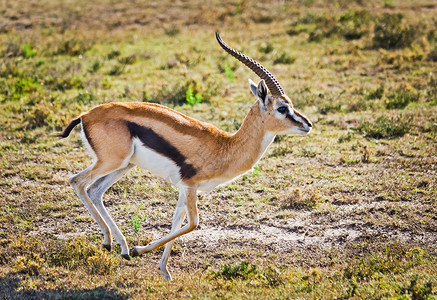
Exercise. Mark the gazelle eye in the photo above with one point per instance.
(283, 109)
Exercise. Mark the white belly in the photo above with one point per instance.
(156, 163)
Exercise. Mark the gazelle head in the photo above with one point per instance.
(277, 109)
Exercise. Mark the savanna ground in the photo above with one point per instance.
(348, 211)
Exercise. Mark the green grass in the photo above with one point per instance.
(346, 212)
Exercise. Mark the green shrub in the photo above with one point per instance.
(401, 99)
(267, 48)
(394, 259)
(129, 60)
(354, 24)
(284, 58)
(116, 70)
(37, 116)
(172, 31)
(229, 73)
(384, 127)
(72, 46)
(71, 254)
(83, 97)
(298, 201)
(390, 32)
(177, 93)
(191, 97)
(95, 66)
(23, 86)
(27, 51)
(63, 83)
(103, 263)
(243, 270)
(29, 265)
(375, 94)
(418, 291)
(137, 223)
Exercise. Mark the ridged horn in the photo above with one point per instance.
(273, 85)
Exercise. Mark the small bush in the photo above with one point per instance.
(243, 270)
(262, 18)
(129, 60)
(401, 99)
(329, 107)
(113, 54)
(83, 98)
(176, 93)
(271, 277)
(285, 59)
(192, 98)
(37, 116)
(267, 48)
(96, 65)
(418, 291)
(172, 31)
(375, 94)
(229, 73)
(302, 202)
(72, 46)
(354, 24)
(22, 87)
(394, 259)
(64, 83)
(27, 51)
(102, 263)
(116, 70)
(391, 33)
(385, 127)
(71, 254)
(29, 265)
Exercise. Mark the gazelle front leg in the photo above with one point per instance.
(187, 196)
(178, 218)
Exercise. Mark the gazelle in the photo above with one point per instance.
(191, 154)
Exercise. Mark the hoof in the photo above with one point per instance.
(134, 252)
(107, 247)
(126, 256)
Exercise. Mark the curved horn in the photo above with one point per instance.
(273, 85)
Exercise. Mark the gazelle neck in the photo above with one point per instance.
(249, 143)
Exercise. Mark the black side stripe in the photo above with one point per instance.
(154, 141)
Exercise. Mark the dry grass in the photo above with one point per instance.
(349, 211)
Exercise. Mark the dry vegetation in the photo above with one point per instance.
(349, 211)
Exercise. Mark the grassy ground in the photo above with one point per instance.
(347, 212)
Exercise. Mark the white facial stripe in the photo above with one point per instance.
(297, 118)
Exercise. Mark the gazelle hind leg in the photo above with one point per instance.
(86, 178)
(95, 192)
(79, 183)
(178, 218)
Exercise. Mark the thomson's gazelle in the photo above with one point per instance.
(191, 154)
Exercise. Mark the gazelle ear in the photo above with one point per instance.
(253, 87)
(259, 91)
(262, 92)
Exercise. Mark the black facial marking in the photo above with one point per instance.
(152, 140)
(291, 118)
